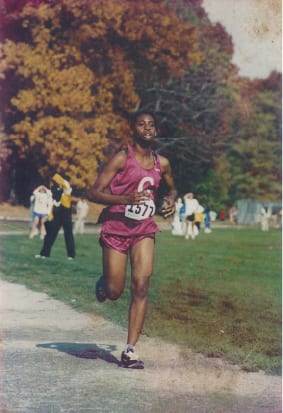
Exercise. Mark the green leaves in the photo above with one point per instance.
(71, 72)
(76, 71)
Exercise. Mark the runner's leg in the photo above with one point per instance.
(34, 228)
(42, 228)
(114, 272)
(142, 254)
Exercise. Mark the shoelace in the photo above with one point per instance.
(132, 355)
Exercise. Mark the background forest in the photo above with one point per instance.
(72, 72)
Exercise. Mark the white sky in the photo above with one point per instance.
(256, 30)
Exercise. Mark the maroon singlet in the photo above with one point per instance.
(132, 220)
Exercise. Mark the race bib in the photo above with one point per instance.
(141, 211)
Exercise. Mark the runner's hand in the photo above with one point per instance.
(167, 207)
(136, 198)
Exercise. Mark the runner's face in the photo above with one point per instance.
(145, 128)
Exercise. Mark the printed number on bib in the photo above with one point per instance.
(141, 211)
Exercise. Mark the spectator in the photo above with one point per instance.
(191, 205)
(177, 223)
(233, 215)
(213, 216)
(222, 215)
(280, 218)
(264, 219)
(207, 220)
(182, 214)
(82, 211)
(199, 217)
(41, 201)
(60, 216)
(31, 208)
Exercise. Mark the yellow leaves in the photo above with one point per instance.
(25, 101)
(62, 139)
(70, 89)
(88, 31)
(12, 55)
(43, 36)
(162, 36)
(81, 68)
(165, 20)
(42, 12)
(109, 13)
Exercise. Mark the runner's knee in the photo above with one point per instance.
(114, 292)
(139, 288)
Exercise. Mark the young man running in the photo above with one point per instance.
(132, 178)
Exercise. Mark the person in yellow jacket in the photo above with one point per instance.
(60, 216)
(199, 217)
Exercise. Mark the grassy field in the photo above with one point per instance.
(219, 295)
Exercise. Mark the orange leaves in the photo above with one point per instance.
(162, 35)
(81, 67)
(69, 90)
(63, 141)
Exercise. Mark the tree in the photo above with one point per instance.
(190, 108)
(75, 70)
(221, 132)
(256, 153)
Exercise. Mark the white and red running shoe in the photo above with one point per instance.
(130, 360)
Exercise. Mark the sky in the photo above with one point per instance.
(256, 30)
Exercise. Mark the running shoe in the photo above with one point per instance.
(130, 360)
(100, 290)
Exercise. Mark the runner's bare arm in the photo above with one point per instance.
(97, 192)
(172, 193)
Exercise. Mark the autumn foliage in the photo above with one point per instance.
(76, 66)
(73, 71)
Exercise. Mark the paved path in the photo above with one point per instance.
(54, 359)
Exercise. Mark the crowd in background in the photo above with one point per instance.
(189, 219)
(51, 210)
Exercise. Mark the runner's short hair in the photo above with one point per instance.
(135, 115)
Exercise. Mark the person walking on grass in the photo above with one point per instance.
(82, 211)
(191, 206)
(207, 220)
(42, 205)
(128, 227)
(60, 216)
(264, 222)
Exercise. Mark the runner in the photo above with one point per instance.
(128, 227)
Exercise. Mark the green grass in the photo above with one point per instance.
(7, 225)
(219, 295)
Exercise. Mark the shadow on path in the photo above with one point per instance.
(85, 351)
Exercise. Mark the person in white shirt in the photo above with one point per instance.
(191, 206)
(177, 223)
(82, 211)
(42, 199)
(264, 219)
